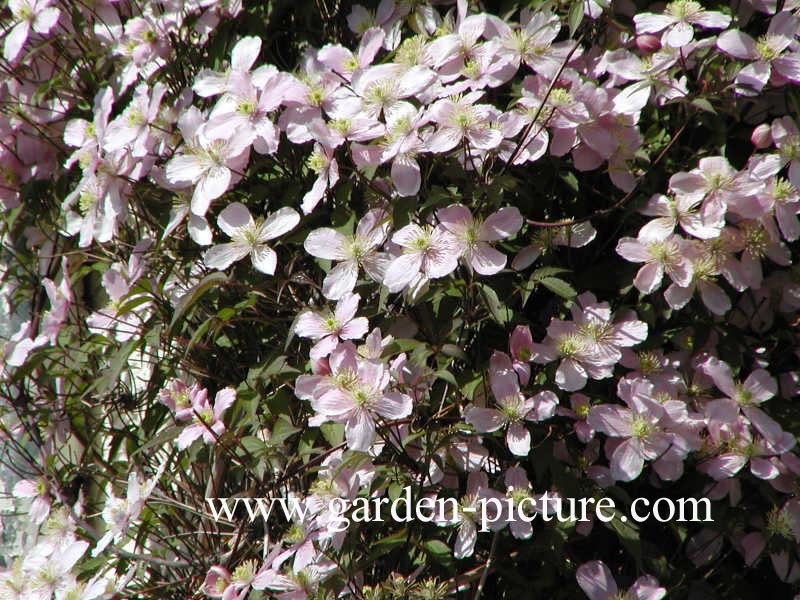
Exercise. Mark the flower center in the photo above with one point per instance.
(767, 47)
(684, 8)
(641, 428)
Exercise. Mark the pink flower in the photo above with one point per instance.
(207, 419)
(40, 492)
(133, 129)
(244, 54)
(329, 328)
(357, 396)
(767, 54)
(473, 235)
(787, 140)
(661, 253)
(430, 250)
(60, 300)
(249, 237)
(639, 426)
(181, 399)
(532, 43)
(678, 20)
(686, 211)
(26, 15)
(344, 61)
(359, 250)
(112, 318)
(323, 163)
(469, 514)
(246, 108)
(598, 583)
(521, 347)
(513, 409)
(461, 120)
(209, 162)
(747, 396)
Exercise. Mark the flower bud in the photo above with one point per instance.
(648, 43)
(761, 136)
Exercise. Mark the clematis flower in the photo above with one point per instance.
(684, 210)
(358, 250)
(358, 397)
(39, 491)
(787, 139)
(513, 408)
(473, 235)
(469, 516)
(638, 426)
(211, 83)
(598, 583)
(767, 53)
(133, 129)
(329, 328)
(677, 22)
(520, 344)
(746, 396)
(661, 253)
(60, 300)
(207, 420)
(210, 163)
(120, 513)
(429, 250)
(461, 119)
(323, 163)
(180, 398)
(533, 43)
(38, 15)
(118, 282)
(249, 237)
(565, 343)
(246, 108)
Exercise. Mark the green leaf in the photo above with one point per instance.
(333, 433)
(559, 286)
(438, 551)
(704, 104)
(628, 533)
(193, 295)
(575, 16)
(499, 311)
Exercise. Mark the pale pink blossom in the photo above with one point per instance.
(473, 235)
(469, 515)
(328, 328)
(249, 236)
(513, 407)
(210, 163)
(358, 250)
(357, 397)
(39, 492)
(768, 54)
(431, 251)
(207, 420)
(660, 254)
(598, 583)
(745, 397)
(638, 427)
(461, 120)
(677, 22)
(38, 15)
